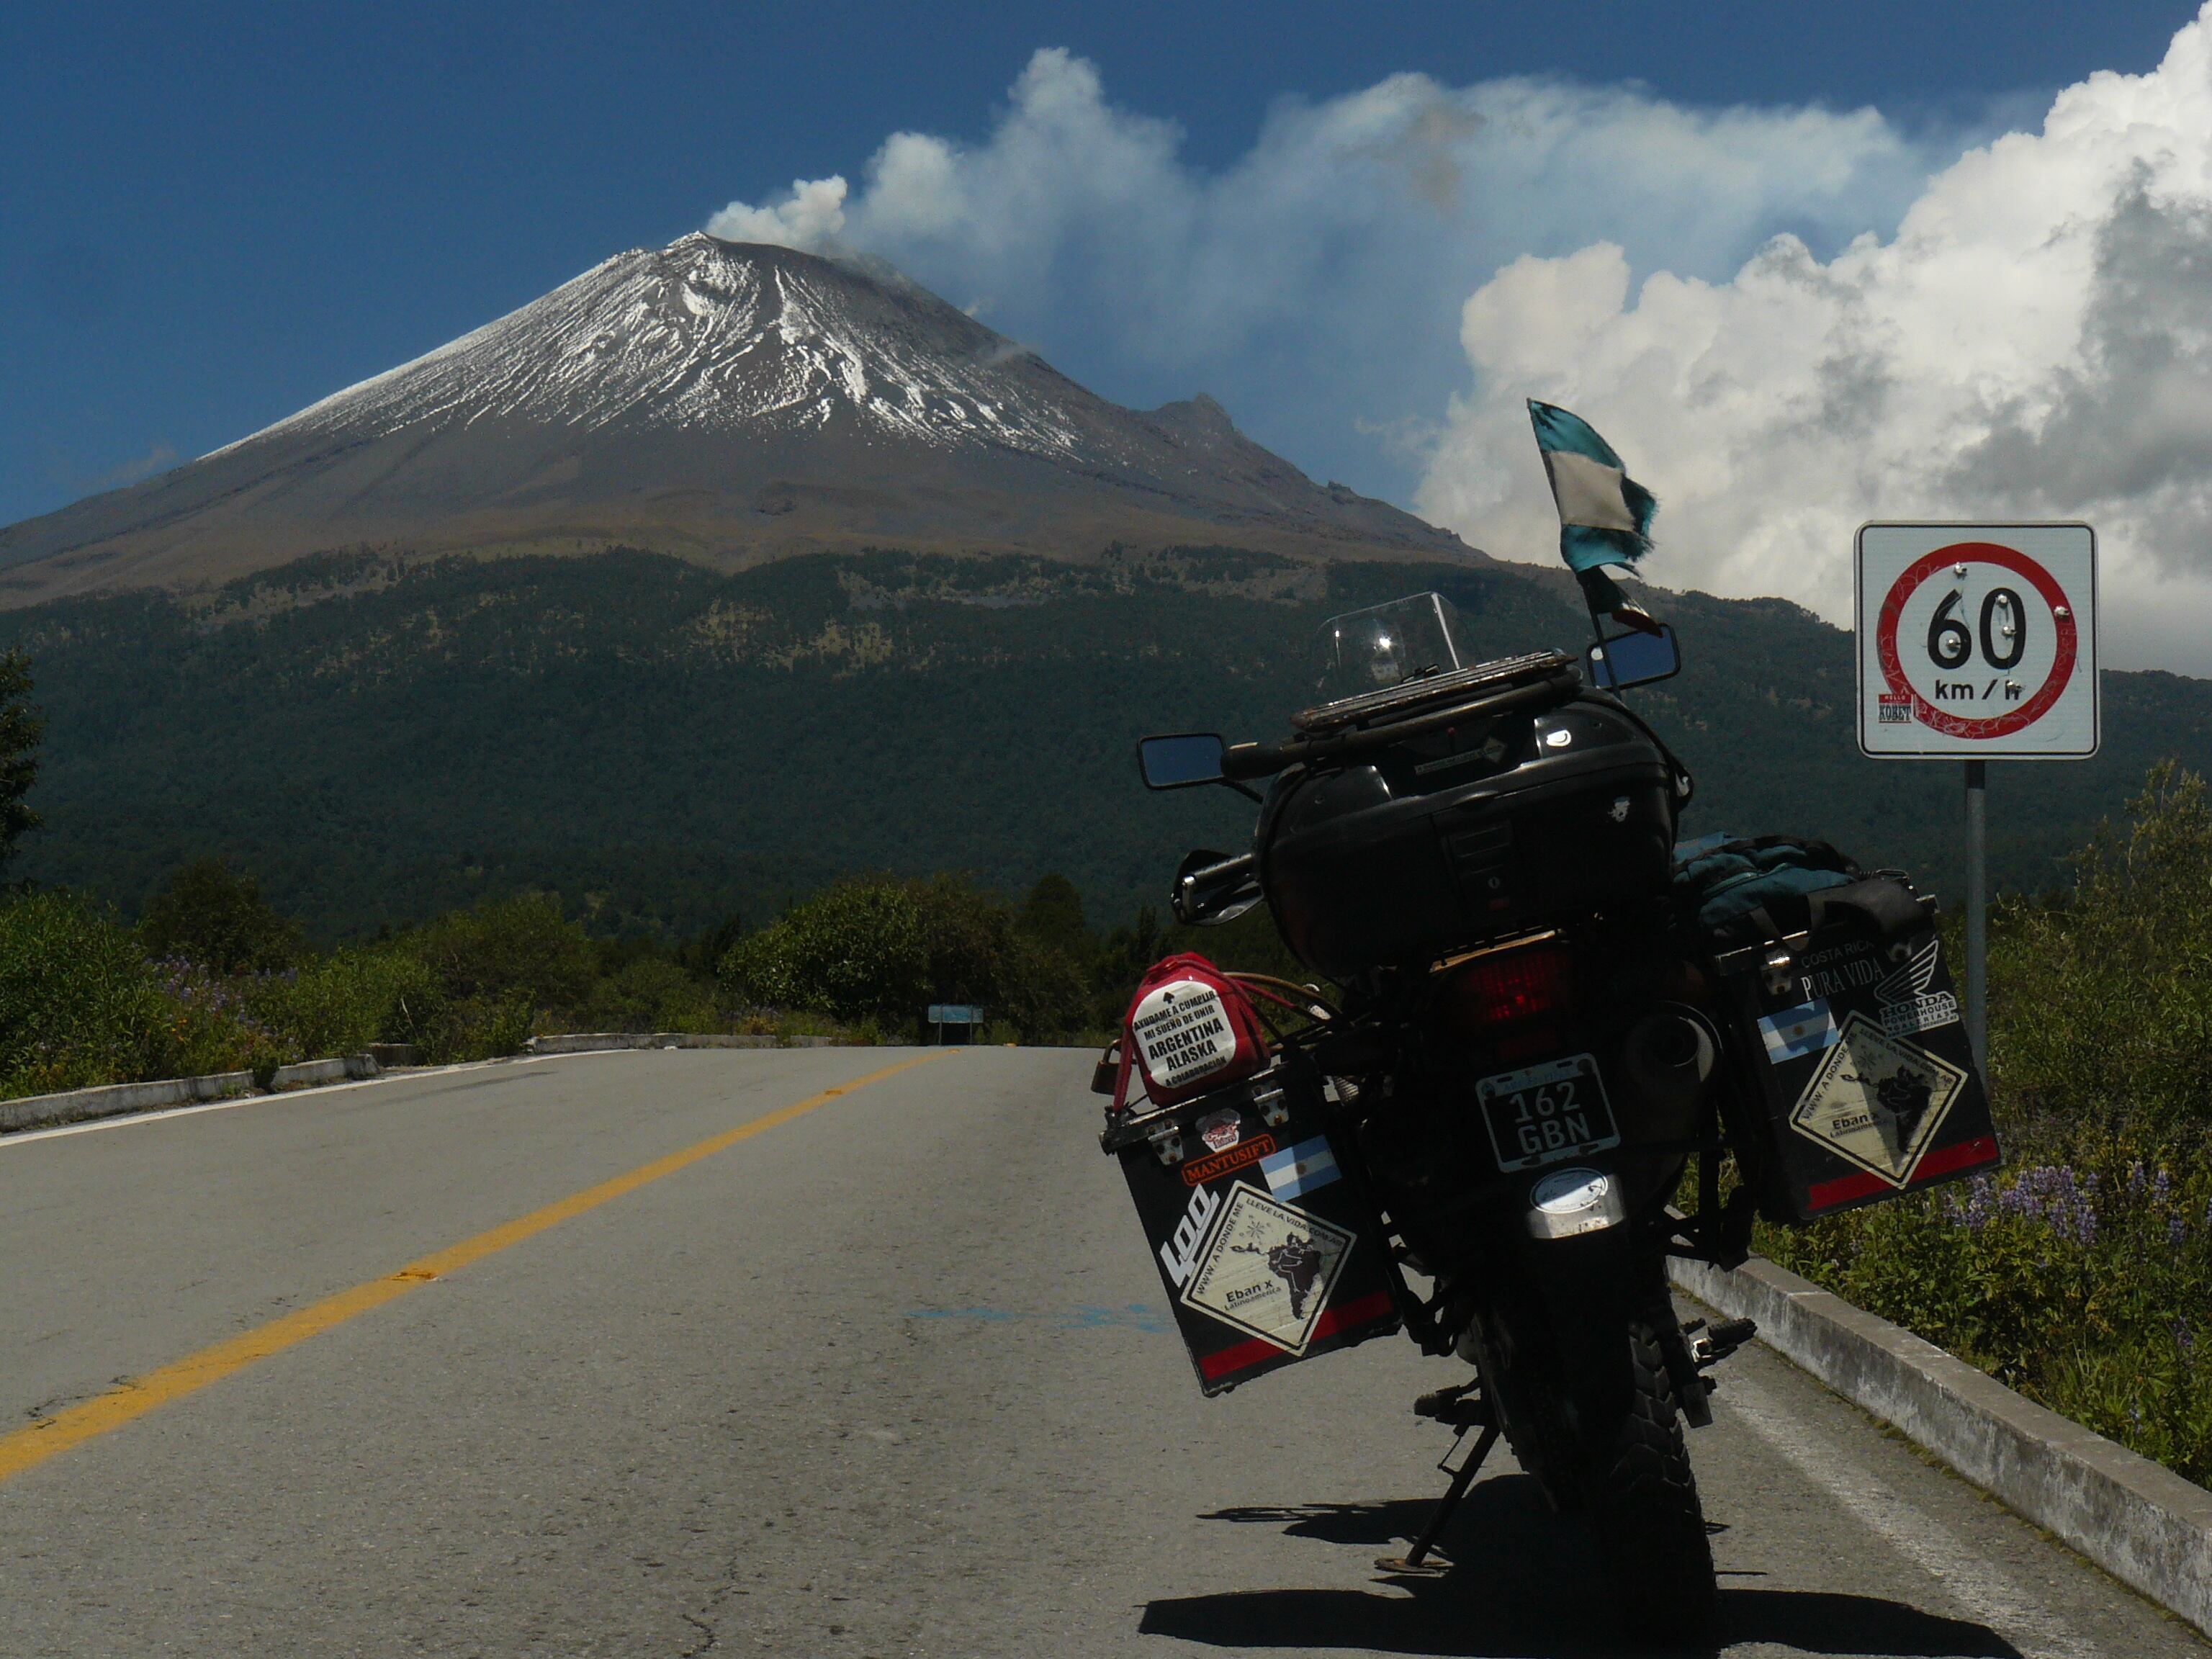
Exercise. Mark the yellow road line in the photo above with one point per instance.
(31, 1445)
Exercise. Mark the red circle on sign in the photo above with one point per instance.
(2062, 620)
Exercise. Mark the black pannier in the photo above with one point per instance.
(1270, 1249)
(1853, 1081)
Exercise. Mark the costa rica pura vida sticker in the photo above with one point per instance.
(1978, 641)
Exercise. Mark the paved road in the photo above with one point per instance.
(892, 1376)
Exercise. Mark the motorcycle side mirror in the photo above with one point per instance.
(1634, 658)
(1181, 760)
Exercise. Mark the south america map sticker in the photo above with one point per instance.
(1978, 641)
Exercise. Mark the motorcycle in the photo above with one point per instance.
(1521, 1057)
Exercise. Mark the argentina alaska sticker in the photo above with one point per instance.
(1876, 1101)
(1183, 1033)
(1268, 1269)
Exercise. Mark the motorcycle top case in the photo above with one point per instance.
(1462, 836)
(1268, 1252)
(1848, 1037)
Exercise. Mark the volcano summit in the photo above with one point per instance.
(728, 403)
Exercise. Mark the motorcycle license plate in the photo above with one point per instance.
(1547, 1112)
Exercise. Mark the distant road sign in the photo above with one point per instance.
(1978, 641)
(954, 1013)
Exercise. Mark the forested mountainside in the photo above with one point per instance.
(663, 744)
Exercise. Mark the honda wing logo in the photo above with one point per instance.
(1907, 1004)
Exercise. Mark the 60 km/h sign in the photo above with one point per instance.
(1978, 641)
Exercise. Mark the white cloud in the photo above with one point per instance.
(2034, 340)
(1789, 319)
(1314, 283)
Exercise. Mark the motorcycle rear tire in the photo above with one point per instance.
(1644, 1507)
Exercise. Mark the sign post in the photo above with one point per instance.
(1977, 642)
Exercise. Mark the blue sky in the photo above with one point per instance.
(211, 216)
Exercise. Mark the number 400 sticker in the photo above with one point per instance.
(1978, 641)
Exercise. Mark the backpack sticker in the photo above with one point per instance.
(1877, 1102)
(1183, 1033)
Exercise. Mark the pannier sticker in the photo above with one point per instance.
(1183, 1033)
(1838, 969)
(1877, 1102)
(1268, 1269)
(1908, 1005)
(1300, 1169)
(1221, 1130)
(1180, 1253)
(1221, 1163)
(1796, 1032)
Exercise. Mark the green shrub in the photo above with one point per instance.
(79, 1003)
(350, 1000)
(853, 951)
(210, 916)
(498, 968)
(650, 994)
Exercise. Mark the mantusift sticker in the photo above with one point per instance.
(1183, 1033)
(1268, 1269)
(1805, 1030)
(1300, 1169)
(1908, 1005)
(1876, 1101)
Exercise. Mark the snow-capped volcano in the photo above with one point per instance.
(716, 337)
(719, 400)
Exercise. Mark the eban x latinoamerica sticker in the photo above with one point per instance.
(1268, 1269)
(1877, 1101)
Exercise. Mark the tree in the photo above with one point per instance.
(207, 915)
(854, 950)
(1053, 915)
(22, 728)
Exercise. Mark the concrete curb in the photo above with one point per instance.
(2144, 1524)
(81, 1105)
(588, 1042)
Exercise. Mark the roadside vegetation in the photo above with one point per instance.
(213, 978)
(2080, 1273)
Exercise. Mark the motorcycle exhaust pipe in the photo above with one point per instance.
(1668, 1059)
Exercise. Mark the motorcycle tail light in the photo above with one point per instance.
(1516, 988)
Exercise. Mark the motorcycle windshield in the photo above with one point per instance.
(1371, 650)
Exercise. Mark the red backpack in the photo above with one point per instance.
(1189, 1029)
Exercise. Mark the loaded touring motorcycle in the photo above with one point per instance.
(1544, 1013)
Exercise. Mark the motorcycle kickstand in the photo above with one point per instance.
(1416, 1559)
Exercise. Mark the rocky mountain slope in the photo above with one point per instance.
(724, 403)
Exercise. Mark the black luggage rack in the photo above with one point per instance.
(1409, 697)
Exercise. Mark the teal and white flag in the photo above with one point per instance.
(1605, 515)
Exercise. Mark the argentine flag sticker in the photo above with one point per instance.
(1300, 1169)
(1794, 1032)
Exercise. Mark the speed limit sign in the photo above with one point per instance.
(1978, 641)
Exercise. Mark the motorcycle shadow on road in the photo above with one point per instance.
(1523, 1584)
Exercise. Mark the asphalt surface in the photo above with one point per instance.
(894, 1377)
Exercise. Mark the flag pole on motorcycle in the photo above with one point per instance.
(1605, 515)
